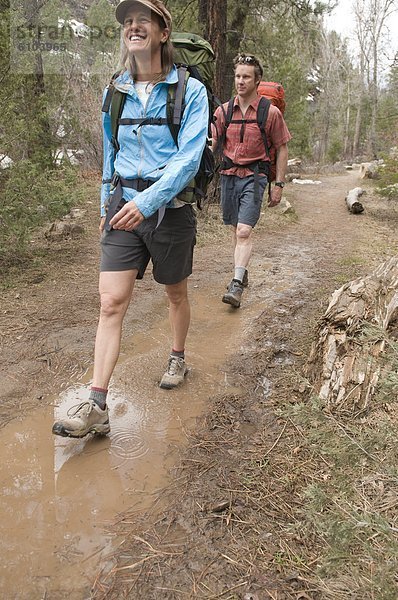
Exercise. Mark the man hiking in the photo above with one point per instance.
(245, 165)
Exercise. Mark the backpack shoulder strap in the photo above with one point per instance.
(114, 102)
(227, 122)
(175, 102)
(262, 116)
(110, 91)
(229, 113)
(117, 104)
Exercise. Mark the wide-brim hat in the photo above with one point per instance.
(155, 6)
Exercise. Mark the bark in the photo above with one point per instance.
(368, 170)
(347, 120)
(358, 123)
(213, 20)
(217, 25)
(203, 17)
(235, 36)
(352, 201)
(344, 365)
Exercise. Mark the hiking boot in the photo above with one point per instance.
(82, 419)
(245, 280)
(175, 373)
(234, 293)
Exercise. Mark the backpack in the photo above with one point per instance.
(274, 92)
(194, 57)
(261, 119)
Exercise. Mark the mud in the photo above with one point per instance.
(62, 499)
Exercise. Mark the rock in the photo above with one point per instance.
(291, 176)
(77, 213)
(285, 208)
(60, 230)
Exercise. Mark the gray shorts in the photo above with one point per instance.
(169, 246)
(238, 201)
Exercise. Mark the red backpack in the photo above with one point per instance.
(274, 92)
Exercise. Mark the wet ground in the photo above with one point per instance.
(57, 493)
(60, 497)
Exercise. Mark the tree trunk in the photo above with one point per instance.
(203, 15)
(344, 365)
(358, 122)
(234, 38)
(217, 26)
(347, 120)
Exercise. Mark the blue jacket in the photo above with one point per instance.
(149, 151)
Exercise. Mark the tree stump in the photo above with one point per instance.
(344, 364)
(352, 201)
(368, 170)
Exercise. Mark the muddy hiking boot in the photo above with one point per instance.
(82, 419)
(234, 294)
(175, 373)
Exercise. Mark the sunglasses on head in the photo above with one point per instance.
(244, 58)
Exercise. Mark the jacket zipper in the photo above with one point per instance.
(140, 144)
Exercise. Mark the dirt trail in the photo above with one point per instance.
(70, 490)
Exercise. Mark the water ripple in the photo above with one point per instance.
(127, 444)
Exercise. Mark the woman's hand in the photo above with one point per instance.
(127, 218)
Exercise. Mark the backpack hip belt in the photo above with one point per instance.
(262, 166)
(135, 184)
(138, 184)
(258, 166)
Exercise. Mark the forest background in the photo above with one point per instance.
(56, 58)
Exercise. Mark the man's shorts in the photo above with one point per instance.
(238, 201)
(170, 246)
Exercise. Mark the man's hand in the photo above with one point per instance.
(276, 195)
(127, 218)
(102, 224)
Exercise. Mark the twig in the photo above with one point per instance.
(277, 440)
(351, 438)
(228, 590)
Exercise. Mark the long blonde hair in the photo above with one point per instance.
(127, 61)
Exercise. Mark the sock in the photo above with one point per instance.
(239, 273)
(178, 353)
(98, 395)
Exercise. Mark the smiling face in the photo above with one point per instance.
(246, 81)
(143, 32)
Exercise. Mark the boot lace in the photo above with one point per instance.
(77, 408)
(175, 364)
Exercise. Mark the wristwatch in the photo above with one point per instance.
(280, 184)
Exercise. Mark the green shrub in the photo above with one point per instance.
(387, 185)
(29, 198)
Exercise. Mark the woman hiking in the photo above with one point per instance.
(141, 217)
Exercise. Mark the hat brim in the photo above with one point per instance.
(123, 7)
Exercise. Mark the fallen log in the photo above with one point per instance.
(344, 364)
(352, 201)
(294, 162)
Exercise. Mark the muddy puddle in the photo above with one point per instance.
(59, 495)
